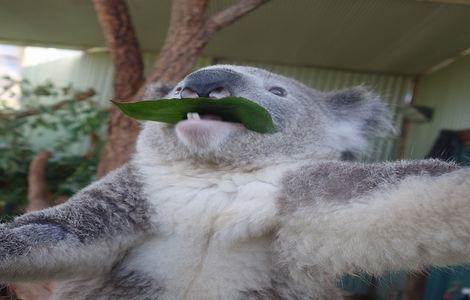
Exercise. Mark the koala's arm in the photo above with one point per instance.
(83, 236)
(340, 217)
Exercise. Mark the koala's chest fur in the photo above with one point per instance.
(214, 231)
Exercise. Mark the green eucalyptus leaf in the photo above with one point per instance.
(231, 109)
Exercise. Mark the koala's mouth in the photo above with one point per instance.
(211, 116)
(202, 123)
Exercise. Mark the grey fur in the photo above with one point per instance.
(350, 105)
(283, 287)
(108, 216)
(328, 216)
(262, 294)
(119, 284)
(157, 90)
(112, 205)
(336, 181)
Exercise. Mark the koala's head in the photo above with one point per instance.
(310, 124)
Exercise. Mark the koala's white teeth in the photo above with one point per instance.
(193, 116)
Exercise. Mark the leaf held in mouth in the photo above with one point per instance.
(230, 109)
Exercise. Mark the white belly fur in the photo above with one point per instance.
(215, 231)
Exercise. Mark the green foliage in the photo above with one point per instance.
(57, 119)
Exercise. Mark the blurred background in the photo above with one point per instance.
(61, 61)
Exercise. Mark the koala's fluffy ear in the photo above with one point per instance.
(358, 115)
(362, 109)
(157, 90)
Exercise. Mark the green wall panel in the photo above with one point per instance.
(89, 70)
(448, 92)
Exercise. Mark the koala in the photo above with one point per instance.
(207, 209)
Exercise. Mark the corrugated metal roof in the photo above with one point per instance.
(393, 36)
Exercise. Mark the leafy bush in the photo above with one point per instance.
(64, 117)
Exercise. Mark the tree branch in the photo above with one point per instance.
(184, 41)
(189, 32)
(232, 14)
(126, 55)
(122, 42)
(37, 185)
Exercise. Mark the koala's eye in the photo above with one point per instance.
(278, 91)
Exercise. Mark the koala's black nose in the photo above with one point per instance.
(212, 83)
